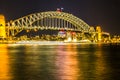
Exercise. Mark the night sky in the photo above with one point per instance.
(105, 13)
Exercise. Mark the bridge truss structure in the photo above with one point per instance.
(47, 20)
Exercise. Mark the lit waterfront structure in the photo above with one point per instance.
(2, 27)
(55, 21)
(98, 29)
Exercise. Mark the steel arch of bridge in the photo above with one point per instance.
(27, 22)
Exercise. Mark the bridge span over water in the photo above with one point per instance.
(50, 20)
(53, 20)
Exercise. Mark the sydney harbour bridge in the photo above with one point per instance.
(51, 21)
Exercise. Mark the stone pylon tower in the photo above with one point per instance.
(99, 33)
(2, 27)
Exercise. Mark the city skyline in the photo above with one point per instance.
(94, 12)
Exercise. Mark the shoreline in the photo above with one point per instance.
(51, 42)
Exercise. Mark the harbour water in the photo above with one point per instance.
(60, 62)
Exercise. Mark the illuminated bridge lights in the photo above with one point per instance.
(75, 28)
(48, 20)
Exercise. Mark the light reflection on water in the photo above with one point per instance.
(4, 63)
(66, 63)
(59, 62)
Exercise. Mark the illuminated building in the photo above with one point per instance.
(2, 27)
(62, 33)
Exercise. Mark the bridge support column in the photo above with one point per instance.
(99, 34)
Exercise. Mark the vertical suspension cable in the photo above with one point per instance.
(61, 23)
(67, 24)
(37, 24)
(56, 23)
(64, 24)
(41, 23)
(52, 22)
(48, 22)
(45, 22)
(70, 26)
